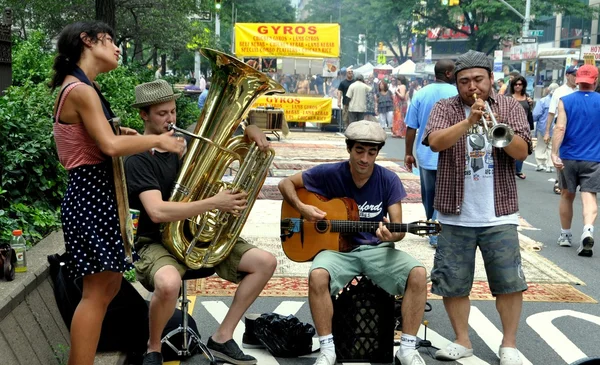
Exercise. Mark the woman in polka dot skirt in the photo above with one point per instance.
(85, 142)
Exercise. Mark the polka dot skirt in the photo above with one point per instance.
(90, 222)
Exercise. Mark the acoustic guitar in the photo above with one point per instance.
(303, 240)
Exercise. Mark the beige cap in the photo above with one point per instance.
(365, 131)
(154, 92)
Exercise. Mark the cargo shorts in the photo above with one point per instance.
(454, 261)
(153, 256)
(383, 264)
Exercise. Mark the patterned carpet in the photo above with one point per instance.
(298, 287)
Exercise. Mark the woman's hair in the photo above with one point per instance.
(70, 46)
(413, 87)
(385, 85)
(514, 81)
(403, 80)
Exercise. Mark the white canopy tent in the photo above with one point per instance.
(383, 67)
(406, 69)
(365, 70)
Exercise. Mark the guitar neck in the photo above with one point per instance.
(365, 226)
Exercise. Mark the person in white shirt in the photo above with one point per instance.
(357, 93)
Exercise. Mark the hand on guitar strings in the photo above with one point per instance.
(312, 213)
(383, 233)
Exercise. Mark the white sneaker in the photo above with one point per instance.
(586, 244)
(549, 169)
(411, 358)
(324, 359)
(564, 240)
(539, 168)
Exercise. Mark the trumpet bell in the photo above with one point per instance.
(500, 135)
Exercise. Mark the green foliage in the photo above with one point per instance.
(61, 353)
(31, 59)
(130, 276)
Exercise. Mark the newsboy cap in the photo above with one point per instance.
(365, 131)
(154, 92)
(472, 59)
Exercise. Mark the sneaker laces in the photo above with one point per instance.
(323, 359)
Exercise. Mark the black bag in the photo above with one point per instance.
(125, 326)
(8, 259)
(177, 340)
(284, 336)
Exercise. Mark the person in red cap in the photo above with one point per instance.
(575, 150)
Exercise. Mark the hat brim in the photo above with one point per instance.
(585, 80)
(175, 96)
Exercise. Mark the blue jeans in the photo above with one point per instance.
(519, 166)
(428, 191)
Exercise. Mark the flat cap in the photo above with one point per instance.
(365, 131)
(472, 59)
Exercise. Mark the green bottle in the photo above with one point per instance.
(20, 246)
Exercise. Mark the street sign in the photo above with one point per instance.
(522, 40)
(202, 16)
(536, 33)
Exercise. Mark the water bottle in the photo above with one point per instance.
(20, 246)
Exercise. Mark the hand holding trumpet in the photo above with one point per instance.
(477, 110)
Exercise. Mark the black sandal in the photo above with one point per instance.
(556, 188)
(521, 176)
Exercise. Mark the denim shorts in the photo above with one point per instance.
(454, 262)
(383, 264)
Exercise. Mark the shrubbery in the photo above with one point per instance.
(32, 181)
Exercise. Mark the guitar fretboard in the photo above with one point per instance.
(362, 226)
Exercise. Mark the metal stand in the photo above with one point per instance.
(190, 337)
(425, 342)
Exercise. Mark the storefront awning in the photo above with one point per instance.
(550, 53)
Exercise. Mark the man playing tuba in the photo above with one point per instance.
(150, 177)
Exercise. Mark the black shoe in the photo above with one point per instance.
(229, 352)
(153, 358)
(249, 340)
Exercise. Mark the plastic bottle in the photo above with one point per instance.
(20, 246)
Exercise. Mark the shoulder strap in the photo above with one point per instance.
(63, 96)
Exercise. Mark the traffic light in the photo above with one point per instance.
(381, 59)
(380, 46)
(453, 2)
(218, 4)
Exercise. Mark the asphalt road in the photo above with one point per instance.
(549, 333)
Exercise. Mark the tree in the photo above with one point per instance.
(106, 12)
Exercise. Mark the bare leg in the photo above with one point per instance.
(413, 302)
(565, 208)
(590, 208)
(509, 307)
(98, 291)
(320, 302)
(167, 283)
(259, 266)
(458, 309)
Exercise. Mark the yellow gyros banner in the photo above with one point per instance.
(287, 40)
(298, 108)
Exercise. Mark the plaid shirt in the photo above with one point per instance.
(450, 180)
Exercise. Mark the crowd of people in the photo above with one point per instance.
(468, 185)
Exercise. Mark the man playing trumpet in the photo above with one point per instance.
(476, 197)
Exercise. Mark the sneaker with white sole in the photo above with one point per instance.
(564, 240)
(411, 358)
(586, 245)
(549, 169)
(539, 168)
(323, 359)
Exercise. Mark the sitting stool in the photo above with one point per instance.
(190, 338)
(363, 323)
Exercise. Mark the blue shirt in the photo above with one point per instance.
(583, 127)
(418, 114)
(202, 99)
(334, 180)
(540, 114)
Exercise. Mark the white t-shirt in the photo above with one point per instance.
(477, 209)
(564, 90)
(357, 92)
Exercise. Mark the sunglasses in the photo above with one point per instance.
(518, 84)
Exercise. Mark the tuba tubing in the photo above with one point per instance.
(207, 239)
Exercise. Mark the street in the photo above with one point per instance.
(550, 332)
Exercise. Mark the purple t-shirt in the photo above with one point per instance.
(334, 180)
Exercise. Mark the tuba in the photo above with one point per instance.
(207, 239)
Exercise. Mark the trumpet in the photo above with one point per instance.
(500, 135)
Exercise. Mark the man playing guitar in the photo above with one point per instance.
(378, 193)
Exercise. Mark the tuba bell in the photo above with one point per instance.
(207, 239)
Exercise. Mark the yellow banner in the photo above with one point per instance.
(298, 108)
(287, 40)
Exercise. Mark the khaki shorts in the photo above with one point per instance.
(153, 256)
(383, 264)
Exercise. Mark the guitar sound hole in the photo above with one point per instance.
(321, 226)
